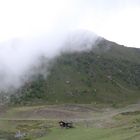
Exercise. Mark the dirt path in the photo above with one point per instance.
(106, 117)
(67, 112)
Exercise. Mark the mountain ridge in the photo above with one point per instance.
(108, 73)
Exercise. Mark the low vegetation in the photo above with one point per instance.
(100, 123)
(92, 90)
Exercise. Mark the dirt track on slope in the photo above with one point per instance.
(99, 116)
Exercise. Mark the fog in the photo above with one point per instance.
(19, 57)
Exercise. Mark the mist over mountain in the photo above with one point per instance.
(90, 71)
(19, 59)
(48, 31)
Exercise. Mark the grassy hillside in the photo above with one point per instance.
(108, 73)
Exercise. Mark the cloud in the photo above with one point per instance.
(20, 59)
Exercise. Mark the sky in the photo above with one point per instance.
(116, 20)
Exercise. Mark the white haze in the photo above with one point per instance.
(18, 58)
(32, 28)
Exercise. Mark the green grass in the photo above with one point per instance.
(81, 133)
(123, 125)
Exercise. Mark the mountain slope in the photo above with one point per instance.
(108, 73)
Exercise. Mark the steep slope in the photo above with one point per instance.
(108, 73)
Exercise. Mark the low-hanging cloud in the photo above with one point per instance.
(18, 58)
(51, 32)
